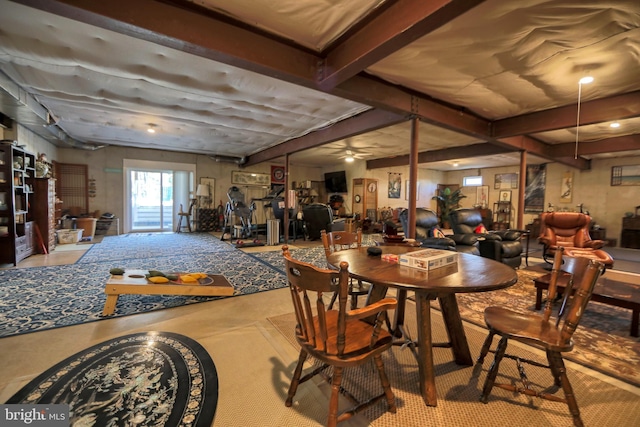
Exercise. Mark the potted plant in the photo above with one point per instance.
(447, 201)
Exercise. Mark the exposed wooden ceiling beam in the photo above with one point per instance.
(537, 148)
(371, 91)
(192, 32)
(364, 122)
(609, 145)
(402, 23)
(475, 150)
(597, 111)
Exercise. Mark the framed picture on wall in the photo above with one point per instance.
(406, 193)
(250, 178)
(505, 180)
(482, 196)
(505, 196)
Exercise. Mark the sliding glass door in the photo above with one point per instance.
(155, 192)
(151, 200)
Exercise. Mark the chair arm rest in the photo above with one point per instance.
(594, 244)
(544, 240)
(508, 235)
(464, 239)
(438, 243)
(371, 309)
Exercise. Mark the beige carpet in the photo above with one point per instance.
(602, 403)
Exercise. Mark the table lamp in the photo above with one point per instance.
(202, 192)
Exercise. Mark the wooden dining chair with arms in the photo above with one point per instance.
(542, 332)
(335, 241)
(336, 338)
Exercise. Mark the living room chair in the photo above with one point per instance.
(503, 246)
(571, 231)
(336, 338)
(554, 336)
(318, 217)
(426, 228)
(334, 241)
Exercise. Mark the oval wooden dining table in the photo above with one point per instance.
(472, 273)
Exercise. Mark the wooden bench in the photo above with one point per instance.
(607, 291)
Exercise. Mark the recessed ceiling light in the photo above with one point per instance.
(614, 125)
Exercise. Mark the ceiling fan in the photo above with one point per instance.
(350, 155)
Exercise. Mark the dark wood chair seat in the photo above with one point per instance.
(554, 336)
(339, 338)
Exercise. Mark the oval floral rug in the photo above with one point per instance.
(152, 378)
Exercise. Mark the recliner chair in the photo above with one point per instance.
(319, 216)
(426, 220)
(503, 246)
(571, 231)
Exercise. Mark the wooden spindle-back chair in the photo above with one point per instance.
(341, 240)
(339, 338)
(542, 331)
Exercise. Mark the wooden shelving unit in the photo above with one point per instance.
(501, 216)
(17, 172)
(44, 210)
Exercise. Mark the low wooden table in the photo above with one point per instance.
(135, 282)
(606, 291)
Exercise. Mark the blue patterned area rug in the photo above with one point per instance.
(40, 298)
(157, 245)
(152, 378)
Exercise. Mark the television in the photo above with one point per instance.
(336, 182)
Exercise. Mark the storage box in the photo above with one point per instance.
(69, 236)
(429, 259)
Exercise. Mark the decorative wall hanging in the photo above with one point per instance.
(625, 175)
(566, 187)
(505, 196)
(249, 178)
(395, 185)
(506, 181)
(482, 196)
(406, 193)
(277, 174)
(535, 188)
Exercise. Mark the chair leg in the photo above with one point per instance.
(553, 366)
(335, 393)
(391, 400)
(493, 371)
(557, 366)
(485, 347)
(295, 381)
(354, 296)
